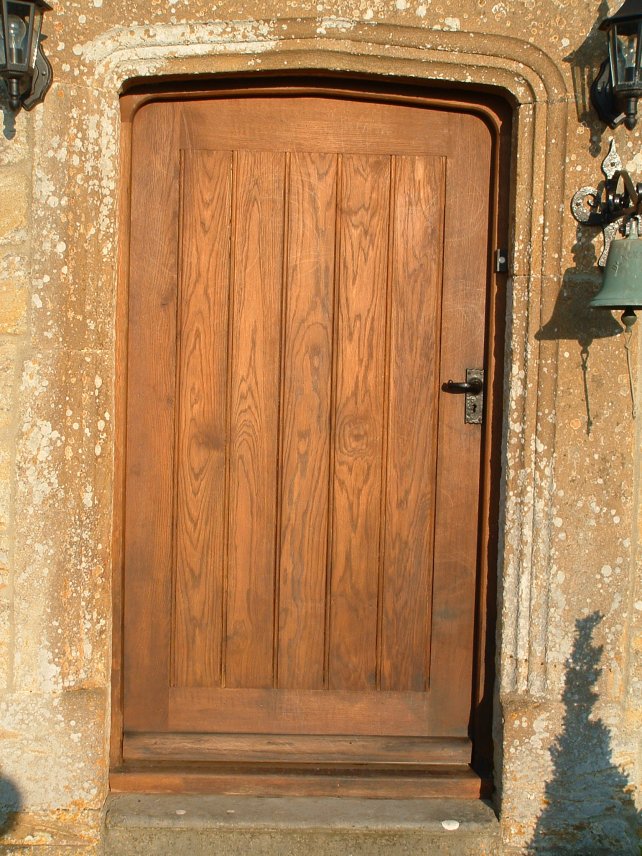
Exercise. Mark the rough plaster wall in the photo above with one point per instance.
(55, 417)
(568, 717)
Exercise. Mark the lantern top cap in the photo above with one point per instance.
(631, 10)
(41, 4)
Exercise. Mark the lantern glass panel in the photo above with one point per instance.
(18, 38)
(18, 29)
(626, 41)
(35, 44)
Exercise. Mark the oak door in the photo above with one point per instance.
(302, 498)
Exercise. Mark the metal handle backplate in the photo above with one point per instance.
(473, 389)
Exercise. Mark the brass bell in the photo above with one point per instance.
(622, 285)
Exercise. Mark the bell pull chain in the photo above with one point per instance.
(628, 319)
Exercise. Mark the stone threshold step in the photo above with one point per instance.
(150, 825)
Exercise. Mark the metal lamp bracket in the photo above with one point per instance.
(611, 204)
(603, 98)
(42, 76)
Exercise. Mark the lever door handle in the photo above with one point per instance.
(472, 387)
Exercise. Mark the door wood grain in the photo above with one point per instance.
(201, 430)
(305, 419)
(362, 281)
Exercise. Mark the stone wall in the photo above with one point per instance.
(568, 707)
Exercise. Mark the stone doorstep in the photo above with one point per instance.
(151, 825)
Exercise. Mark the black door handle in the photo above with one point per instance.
(473, 386)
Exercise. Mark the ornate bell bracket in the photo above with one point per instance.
(611, 204)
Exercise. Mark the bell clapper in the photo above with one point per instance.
(628, 318)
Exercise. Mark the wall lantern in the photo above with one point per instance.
(23, 66)
(618, 86)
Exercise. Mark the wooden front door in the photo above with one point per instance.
(302, 498)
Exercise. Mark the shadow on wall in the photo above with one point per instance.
(589, 804)
(573, 318)
(585, 63)
(8, 116)
(10, 805)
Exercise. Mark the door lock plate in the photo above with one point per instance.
(474, 403)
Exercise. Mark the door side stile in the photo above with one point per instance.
(151, 376)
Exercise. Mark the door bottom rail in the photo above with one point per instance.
(436, 781)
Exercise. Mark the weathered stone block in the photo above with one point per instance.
(13, 307)
(8, 358)
(58, 833)
(13, 293)
(6, 481)
(53, 751)
(16, 143)
(6, 614)
(15, 191)
(63, 459)
(46, 850)
(74, 262)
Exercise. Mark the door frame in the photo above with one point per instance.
(497, 114)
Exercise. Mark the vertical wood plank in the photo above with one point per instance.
(360, 346)
(412, 422)
(255, 368)
(201, 417)
(306, 420)
(150, 416)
